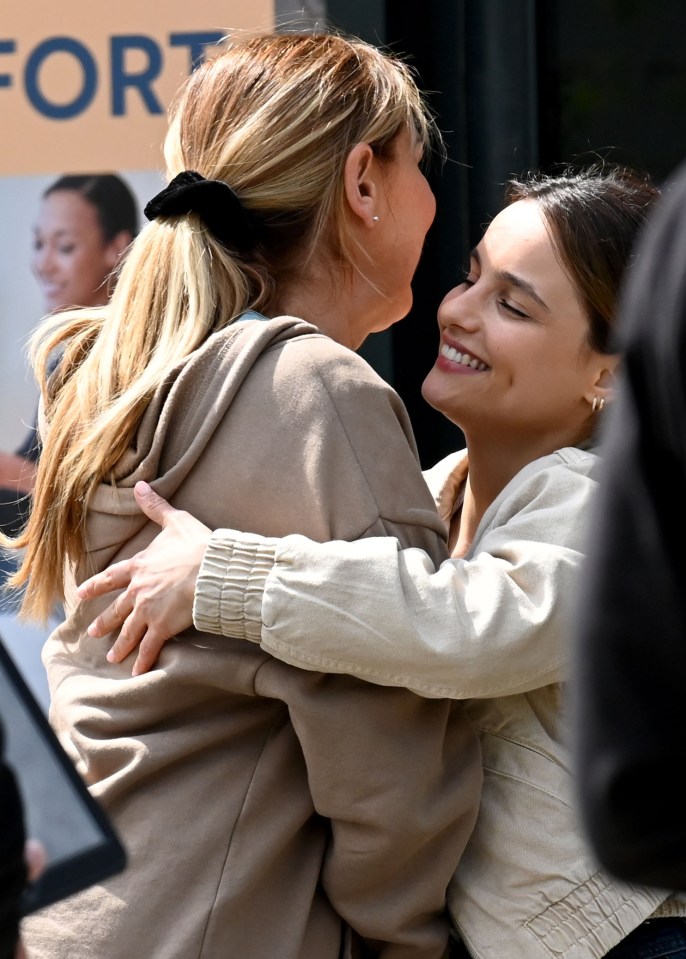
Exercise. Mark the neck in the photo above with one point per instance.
(342, 304)
(493, 463)
(322, 308)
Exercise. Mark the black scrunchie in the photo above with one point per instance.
(213, 201)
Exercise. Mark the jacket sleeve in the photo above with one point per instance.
(493, 624)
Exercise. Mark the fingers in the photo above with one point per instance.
(149, 644)
(132, 631)
(135, 632)
(36, 857)
(152, 504)
(148, 651)
(113, 617)
(157, 585)
(117, 576)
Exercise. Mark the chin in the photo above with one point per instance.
(431, 391)
(399, 308)
(387, 322)
(435, 394)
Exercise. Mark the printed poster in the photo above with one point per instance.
(84, 89)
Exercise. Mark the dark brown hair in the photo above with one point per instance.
(114, 202)
(594, 216)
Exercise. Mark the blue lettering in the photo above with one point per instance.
(6, 46)
(196, 43)
(64, 111)
(140, 81)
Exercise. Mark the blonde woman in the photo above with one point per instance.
(266, 811)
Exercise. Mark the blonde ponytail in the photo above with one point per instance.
(166, 302)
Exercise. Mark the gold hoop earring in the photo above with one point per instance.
(597, 404)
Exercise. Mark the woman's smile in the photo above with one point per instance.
(456, 359)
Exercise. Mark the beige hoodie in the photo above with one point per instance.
(266, 810)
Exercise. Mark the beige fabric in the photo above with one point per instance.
(260, 803)
(491, 629)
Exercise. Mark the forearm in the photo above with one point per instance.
(386, 615)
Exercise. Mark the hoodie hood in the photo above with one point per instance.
(177, 425)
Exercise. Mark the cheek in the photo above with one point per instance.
(69, 268)
(85, 268)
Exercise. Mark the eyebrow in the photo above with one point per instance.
(63, 231)
(516, 281)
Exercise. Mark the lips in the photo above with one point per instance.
(463, 358)
(50, 288)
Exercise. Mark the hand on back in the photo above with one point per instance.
(158, 585)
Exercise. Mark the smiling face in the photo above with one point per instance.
(514, 361)
(71, 258)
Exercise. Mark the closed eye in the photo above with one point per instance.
(513, 309)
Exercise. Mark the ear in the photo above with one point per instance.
(116, 247)
(603, 379)
(361, 181)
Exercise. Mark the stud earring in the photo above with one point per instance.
(597, 404)
(375, 219)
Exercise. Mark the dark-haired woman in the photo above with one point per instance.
(85, 223)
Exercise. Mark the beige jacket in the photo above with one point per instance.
(492, 629)
(266, 810)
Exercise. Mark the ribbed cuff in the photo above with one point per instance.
(230, 585)
(674, 906)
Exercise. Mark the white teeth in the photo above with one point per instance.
(465, 359)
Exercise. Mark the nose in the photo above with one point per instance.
(460, 308)
(43, 261)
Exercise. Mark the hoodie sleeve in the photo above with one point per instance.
(398, 777)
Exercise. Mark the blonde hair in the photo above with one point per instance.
(275, 117)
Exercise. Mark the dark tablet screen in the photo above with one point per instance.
(82, 847)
